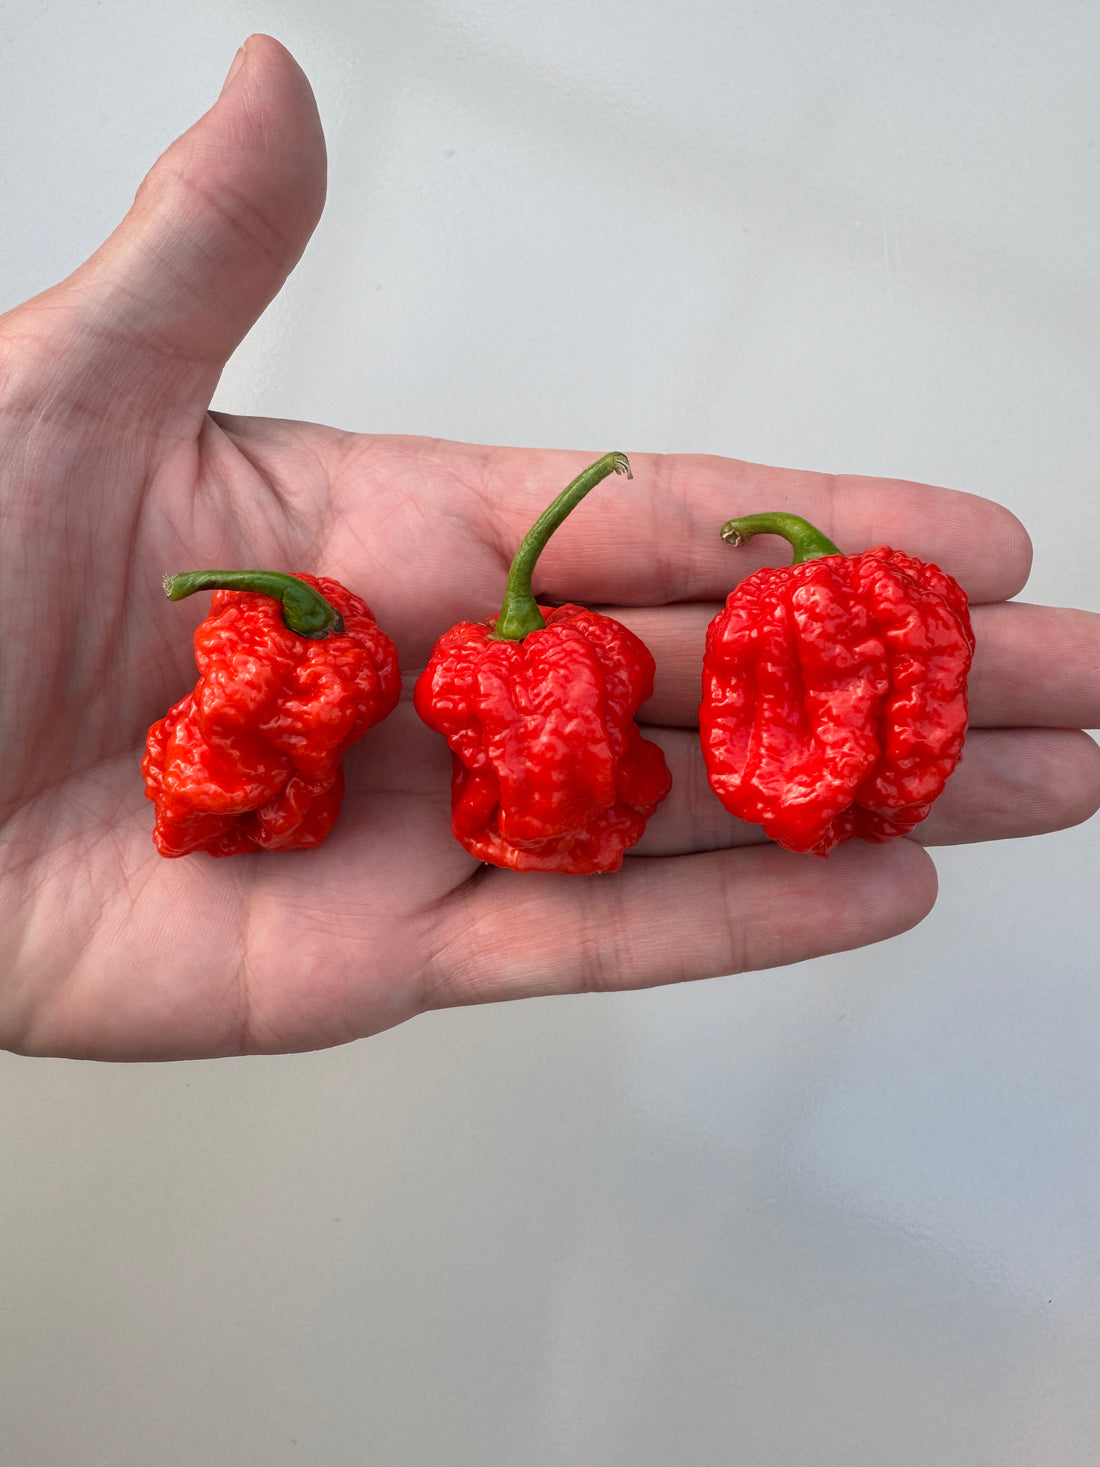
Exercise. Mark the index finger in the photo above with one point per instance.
(656, 540)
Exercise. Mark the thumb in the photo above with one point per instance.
(216, 227)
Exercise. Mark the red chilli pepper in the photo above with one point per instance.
(550, 770)
(834, 690)
(293, 670)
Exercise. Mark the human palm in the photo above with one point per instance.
(113, 472)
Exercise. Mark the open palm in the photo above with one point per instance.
(113, 472)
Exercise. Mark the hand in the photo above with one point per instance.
(113, 472)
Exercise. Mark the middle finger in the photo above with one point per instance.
(1034, 666)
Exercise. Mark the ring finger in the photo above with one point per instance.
(1010, 783)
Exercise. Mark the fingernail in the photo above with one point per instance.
(234, 67)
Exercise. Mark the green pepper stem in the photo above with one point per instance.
(519, 612)
(807, 542)
(305, 610)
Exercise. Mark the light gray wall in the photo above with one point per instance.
(848, 1211)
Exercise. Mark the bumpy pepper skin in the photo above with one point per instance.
(250, 760)
(834, 696)
(550, 771)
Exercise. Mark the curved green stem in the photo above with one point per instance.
(305, 610)
(808, 543)
(519, 612)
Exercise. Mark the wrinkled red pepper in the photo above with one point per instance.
(293, 670)
(834, 690)
(550, 771)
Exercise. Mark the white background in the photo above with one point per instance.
(843, 1212)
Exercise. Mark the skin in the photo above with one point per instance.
(112, 471)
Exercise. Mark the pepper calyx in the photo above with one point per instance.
(805, 539)
(519, 612)
(305, 610)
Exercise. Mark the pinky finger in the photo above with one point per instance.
(669, 919)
